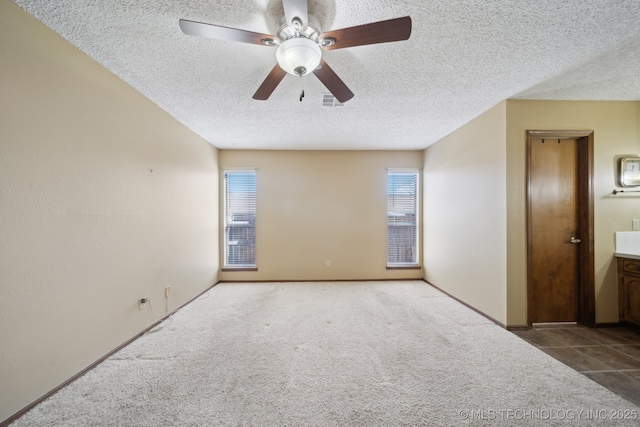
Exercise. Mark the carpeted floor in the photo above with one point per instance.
(330, 354)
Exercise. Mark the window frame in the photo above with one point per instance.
(226, 225)
(416, 262)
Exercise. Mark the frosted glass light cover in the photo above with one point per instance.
(298, 52)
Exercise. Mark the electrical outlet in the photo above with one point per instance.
(327, 263)
(142, 302)
(635, 224)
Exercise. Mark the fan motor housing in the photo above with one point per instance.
(286, 32)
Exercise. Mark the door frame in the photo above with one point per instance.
(586, 266)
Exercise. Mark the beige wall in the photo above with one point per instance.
(465, 213)
(470, 231)
(616, 132)
(317, 206)
(104, 198)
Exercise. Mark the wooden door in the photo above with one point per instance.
(553, 184)
(560, 228)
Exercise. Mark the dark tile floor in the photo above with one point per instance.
(609, 356)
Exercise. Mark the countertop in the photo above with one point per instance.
(624, 255)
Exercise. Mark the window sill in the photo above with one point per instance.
(225, 269)
(404, 267)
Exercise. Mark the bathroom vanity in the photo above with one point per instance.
(628, 259)
(629, 289)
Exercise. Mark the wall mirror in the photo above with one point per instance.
(629, 171)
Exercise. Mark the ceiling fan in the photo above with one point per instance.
(300, 43)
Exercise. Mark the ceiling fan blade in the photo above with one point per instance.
(270, 83)
(296, 8)
(210, 31)
(332, 82)
(391, 30)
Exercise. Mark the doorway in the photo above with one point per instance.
(560, 267)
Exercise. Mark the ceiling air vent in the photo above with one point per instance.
(328, 100)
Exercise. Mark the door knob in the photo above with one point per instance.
(574, 240)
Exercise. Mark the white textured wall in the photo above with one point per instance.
(465, 213)
(104, 198)
(317, 206)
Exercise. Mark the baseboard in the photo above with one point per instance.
(613, 324)
(50, 393)
(403, 279)
(598, 325)
(497, 322)
(514, 328)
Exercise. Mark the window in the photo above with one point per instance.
(240, 219)
(402, 217)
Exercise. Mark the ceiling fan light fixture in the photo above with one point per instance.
(298, 56)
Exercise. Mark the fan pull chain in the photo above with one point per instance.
(301, 89)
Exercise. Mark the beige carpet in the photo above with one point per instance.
(330, 354)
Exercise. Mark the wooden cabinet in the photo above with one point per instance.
(629, 290)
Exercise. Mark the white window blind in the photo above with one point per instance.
(402, 217)
(239, 218)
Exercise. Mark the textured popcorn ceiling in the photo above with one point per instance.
(463, 57)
